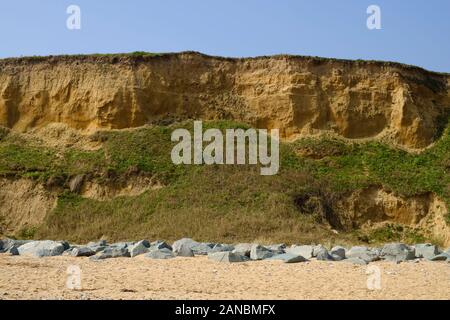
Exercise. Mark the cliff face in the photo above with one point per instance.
(299, 95)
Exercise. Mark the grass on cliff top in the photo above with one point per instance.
(220, 203)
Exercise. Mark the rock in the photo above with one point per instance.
(426, 250)
(176, 246)
(121, 245)
(159, 244)
(97, 246)
(185, 251)
(258, 252)
(202, 248)
(278, 248)
(324, 255)
(111, 252)
(398, 252)
(227, 256)
(44, 248)
(222, 248)
(101, 243)
(160, 254)
(65, 244)
(82, 252)
(441, 257)
(357, 261)
(243, 249)
(338, 253)
(11, 245)
(76, 183)
(288, 258)
(304, 251)
(138, 248)
(364, 253)
(317, 249)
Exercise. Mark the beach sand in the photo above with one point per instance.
(199, 278)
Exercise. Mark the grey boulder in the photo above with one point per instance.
(441, 257)
(203, 248)
(426, 250)
(259, 252)
(316, 249)
(44, 248)
(363, 253)
(138, 248)
(160, 254)
(159, 244)
(188, 242)
(227, 256)
(398, 252)
(338, 253)
(111, 252)
(243, 249)
(10, 245)
(222, 248)
(324, 255)
(185, 251)
(304, 251)
(82, 252)
(288, 258)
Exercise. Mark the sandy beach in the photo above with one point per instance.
(199, 278)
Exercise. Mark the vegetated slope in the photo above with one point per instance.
(345, 175)
(299, 95)
(128, 187)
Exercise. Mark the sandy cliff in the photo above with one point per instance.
(300, 95)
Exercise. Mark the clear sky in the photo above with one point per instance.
(414, 31)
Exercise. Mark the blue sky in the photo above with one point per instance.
(415, 32)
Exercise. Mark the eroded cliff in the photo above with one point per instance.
(301, 96)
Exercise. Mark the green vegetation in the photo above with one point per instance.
(222, 203)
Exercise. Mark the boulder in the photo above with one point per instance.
(324, 255)
(185, 251)
(398, 252)
(121, 245)
(338, 253)
(82, 252)
(316, 249)
(426, 250)
(176, 246)
(304, 251)
(160, 254)
(159, 244)
(227, 256)
(364, 253)
(259, 252)
(97, 246)
(243, 249)
(288, 258)
(222, 248)
(111, 252)
(278, 248)
(138, 248)
(11, 245)
(441, 257)
(202, 248)
(44, 248)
